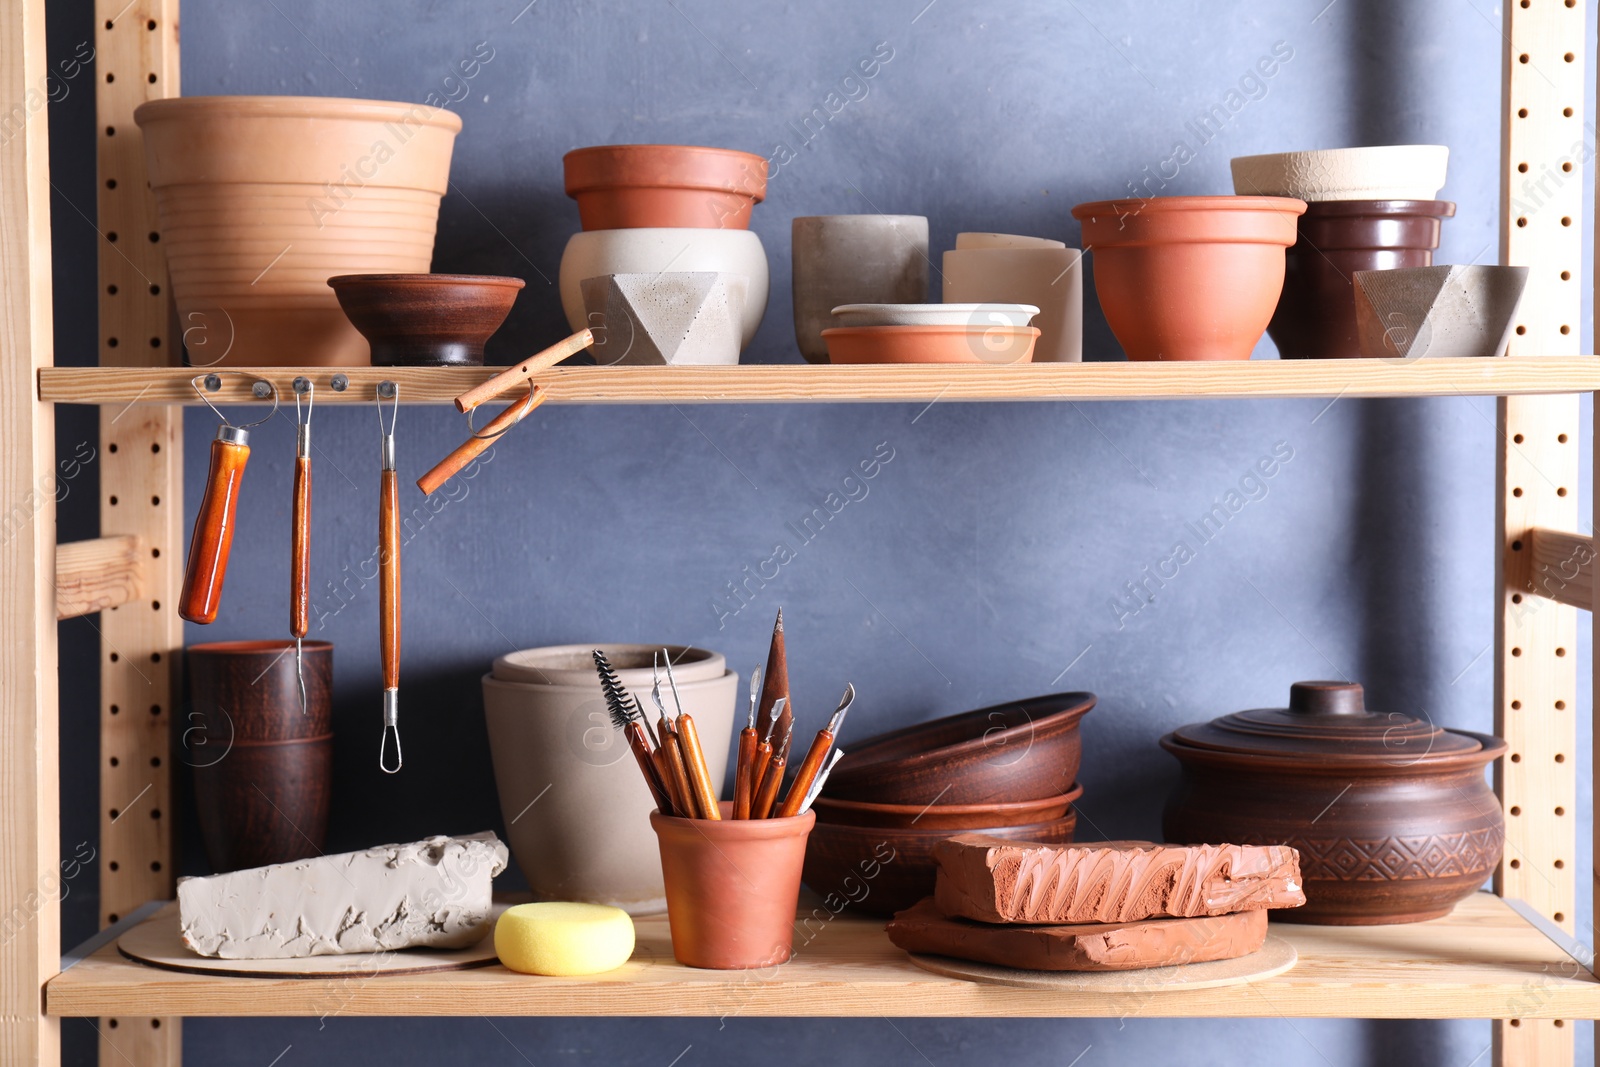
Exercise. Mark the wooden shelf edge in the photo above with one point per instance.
(1483, 961)
(927, 383)
(94, 575)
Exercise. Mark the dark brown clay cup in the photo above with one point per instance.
(426, 320)
(1316, 314)
(732, 887)
(262, 765)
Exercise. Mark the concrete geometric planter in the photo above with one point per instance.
(1437, 311)
(677, 318)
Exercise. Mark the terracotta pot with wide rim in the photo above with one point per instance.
(1391, 815)
(1189, 277)
(732, 887)
(631, 185)
(261, 199)
(1316, 315)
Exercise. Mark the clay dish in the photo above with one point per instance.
(1385, 172)
(992, 345)
(972, 314)
(944, 816)
(635, 185)
(1017, 751)
(426, 320)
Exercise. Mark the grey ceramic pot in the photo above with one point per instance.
(853, 259)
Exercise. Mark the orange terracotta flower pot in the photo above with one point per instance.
(627, 186)
(1189, 277)
(732, 887)
(994, 345)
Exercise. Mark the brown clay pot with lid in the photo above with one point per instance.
(1392, 815)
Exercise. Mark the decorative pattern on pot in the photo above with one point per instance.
(1392, 815)
(262, 199)
(1189, 277)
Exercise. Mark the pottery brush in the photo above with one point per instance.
(816, 787)
(811, 766)
(677, 772)
(694, 756)
(747, 752)
(628, 719)
(758, 766)
(772, 780)
(775, 685)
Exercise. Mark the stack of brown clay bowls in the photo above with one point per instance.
(1189, 277)
(664, 225)
(263, 766)
(1316, 316)
(1391, 814)
(1009, 771)
(262, 199)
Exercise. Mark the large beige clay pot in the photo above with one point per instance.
(262, 199)
(576, 808)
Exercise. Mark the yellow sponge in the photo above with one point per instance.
(558, 938)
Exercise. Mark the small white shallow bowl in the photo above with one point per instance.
(934, 314)
(1388, 172)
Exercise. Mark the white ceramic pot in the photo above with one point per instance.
(1386, 172)
(654, 250)
(1004, 240)
(951, 314)
(575, 806)
(845, 259)
(1050, 278)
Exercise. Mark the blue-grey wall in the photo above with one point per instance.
(982, 563)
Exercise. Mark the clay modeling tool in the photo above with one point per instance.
(479, 442)
(678, 775)
(627, 717)
(771, 781)
(816, 787)
(389, 579)
(758, 766)
(776, 684)
(300, 536)
(811, 766)
(694, 757)
(212, 539)
(514, 376)
(748, 742)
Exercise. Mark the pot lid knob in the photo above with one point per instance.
(1326, 698)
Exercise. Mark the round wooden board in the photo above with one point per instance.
(157, 942)
(1272, 958)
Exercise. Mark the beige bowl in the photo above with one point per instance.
(1387, 172)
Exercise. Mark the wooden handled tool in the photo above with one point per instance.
(514, 376)
(212, 538)
(300, 535)
(800, 788)
(758, 766)
(678, 774)
(640, 745)
(694, 762)
(776, 685)
(480, 441)
(767, 795)
(748, 742)
(389, 581)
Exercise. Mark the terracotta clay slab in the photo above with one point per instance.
(991, 880)
(1080, 947)
(157, 942)
(1275, 957)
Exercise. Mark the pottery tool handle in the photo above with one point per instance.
(514, 376)
(662, 759)
(809, 768)
(477, 444)
(694, 763)
(389, 579)
(767, 795)
(682, 792)
(741, 772)
(640, 744)
(300, 551)
(212, 539)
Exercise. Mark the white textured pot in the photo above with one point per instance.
(1383, 172)
(575, 806)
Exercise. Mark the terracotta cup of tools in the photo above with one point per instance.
(263, 767)
(732, 887)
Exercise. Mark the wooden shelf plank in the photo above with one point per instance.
(94, 575)
(1483, 961)
(799, 383)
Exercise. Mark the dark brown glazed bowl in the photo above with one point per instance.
(426, 320)
(879, 870)
(1392, 817)
(1316, 313)
(944, 816)
(1024, 750)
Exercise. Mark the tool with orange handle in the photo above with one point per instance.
(212, 538)
(771, 781)
(389, 580)
(300, 534)
(521, 372)
(758, 766)
(748, 742)
(479, 442)
(811, 766)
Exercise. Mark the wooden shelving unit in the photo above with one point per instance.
(1509, 958)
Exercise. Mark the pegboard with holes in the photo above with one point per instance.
(141, 457)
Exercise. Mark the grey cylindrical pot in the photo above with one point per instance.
(853, 259)
(576, 808)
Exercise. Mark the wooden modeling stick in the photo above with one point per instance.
(513, 376)
(479, 442)
(694, 761)
(775, 685)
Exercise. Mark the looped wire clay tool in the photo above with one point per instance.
(389, 579)
(300, 536)
(212, 538)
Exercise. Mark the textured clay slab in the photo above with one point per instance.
(1084, 947)
(998, 881)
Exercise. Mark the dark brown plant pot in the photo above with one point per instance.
(426, 320)
(264, 803)
(1316, 316)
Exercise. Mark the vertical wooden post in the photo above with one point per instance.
(1536, 483)
(141, 493)
(30, 815)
